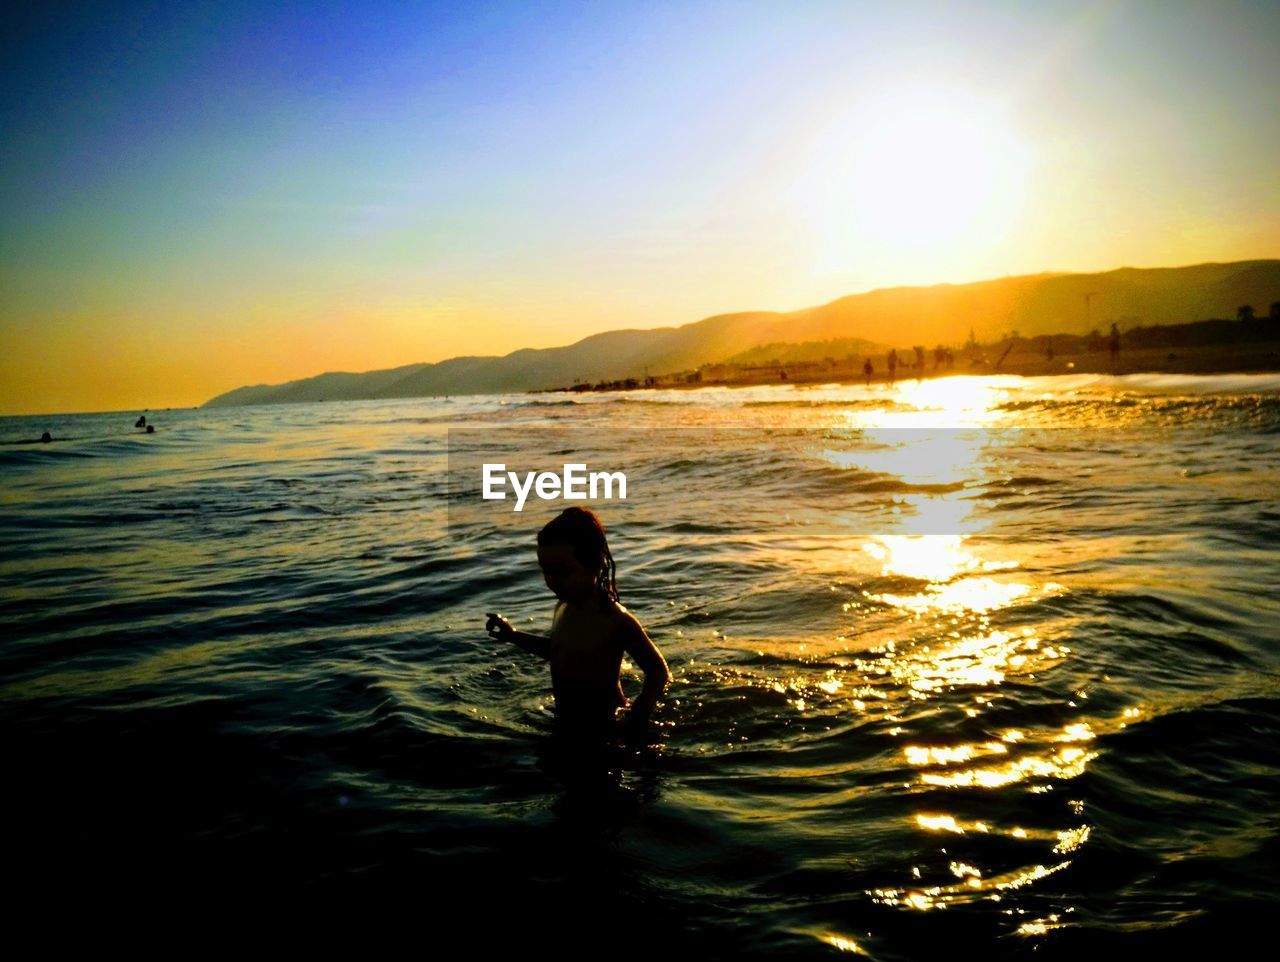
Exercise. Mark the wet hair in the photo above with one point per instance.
(583, 532)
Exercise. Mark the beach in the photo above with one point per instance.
(1260, 357)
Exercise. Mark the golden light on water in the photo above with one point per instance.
(843, 943)
(972, 594)
(938, 588)
(948, 401)
(1065, 840)
(984, 659)
(1066, 763)
(1041, 758)
(939, 823)
(918, 755)
(973, 886)
(938, 557)
(1071, 840)
(941, 457)
(1040, 926)
(1079, 732)
(965, 871)
(1020, 877)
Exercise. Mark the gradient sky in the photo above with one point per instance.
(197, 196)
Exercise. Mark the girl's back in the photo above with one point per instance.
(586, 660)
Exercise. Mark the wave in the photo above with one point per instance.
(1245, 383)
(879, 401)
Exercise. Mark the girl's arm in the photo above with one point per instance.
(499, 628)
(649, 660)
(535, 644)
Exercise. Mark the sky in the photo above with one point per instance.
(200, 196)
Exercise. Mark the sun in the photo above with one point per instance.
(933, 174)
(928, 172)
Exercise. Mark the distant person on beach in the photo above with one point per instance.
(868, 370)
(893, 363)
(141, 422)
(1113, 342)
(590, 631)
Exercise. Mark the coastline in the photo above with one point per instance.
(1256, 358)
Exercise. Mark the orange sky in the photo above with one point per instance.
(200, 205)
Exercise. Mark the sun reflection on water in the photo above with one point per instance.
(971, 594)
(843, 944)
(973, 886)
(1042, 755)
(935, 557)
(1065, 763)
(1041, 926)
(984, 660)
(941, 456)
(947, 402)
(941, 632)
(947, 755)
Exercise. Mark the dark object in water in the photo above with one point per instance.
(141, 422)
(151, 429)
(46, 437)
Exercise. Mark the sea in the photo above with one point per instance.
(963, 667)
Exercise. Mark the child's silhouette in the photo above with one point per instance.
(590, 630)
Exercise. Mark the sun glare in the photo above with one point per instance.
(931, 172)
(934, 175)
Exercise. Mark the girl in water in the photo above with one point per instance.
(590, 631)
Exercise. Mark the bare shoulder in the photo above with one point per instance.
(631, 634)
(625, 622)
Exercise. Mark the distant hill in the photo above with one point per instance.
(898, 317)
(793, 352)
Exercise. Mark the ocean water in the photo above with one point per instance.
(975, 667)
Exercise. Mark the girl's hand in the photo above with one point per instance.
(498, 627)
(641, 710)
(635, 724)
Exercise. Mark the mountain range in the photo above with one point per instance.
(900, 317)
